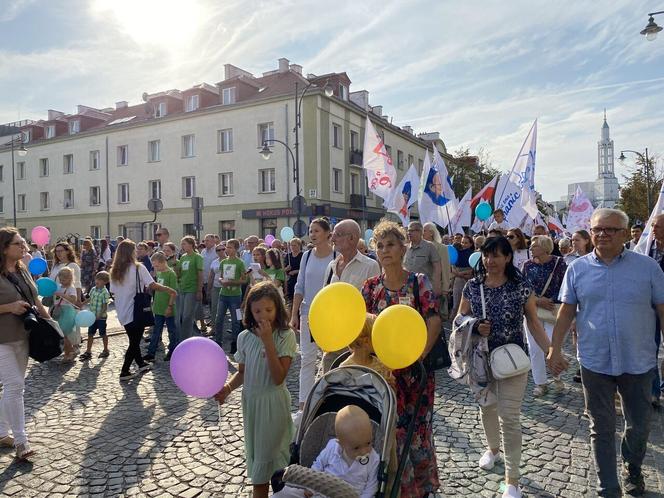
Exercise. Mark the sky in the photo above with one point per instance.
(478, 72)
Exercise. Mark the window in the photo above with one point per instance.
(420, 165)
(411, 160)
(188, 187)
(95, 231)
(50, 131)
(354, 183)
(225, 140)
(20, 202)
(354, 140)
(227, 229)
(95, 196)
(152, 230)
(27, 135)
(154, 190)
(388, 149)
(74, 127)
(123, 193)
(268, 227)
(2, 204)
(336, 136)
(2, 173)
(343, 92)
(68, 202)
(94, 160)
(225, 183)
(192, 103)
(188, 146)
(153, 151)
(123, 155)
(228, 96)
(338, 180)
(122, 230)
(44, 201)
(266, 180)
(43, 166)
(367, 192)
(160, 110)
(20, 170)
(399, 159)
(68, 164)
(265, 132)
(188, 229)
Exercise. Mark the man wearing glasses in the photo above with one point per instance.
(616, 296)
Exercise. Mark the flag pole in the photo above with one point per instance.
(514, 166)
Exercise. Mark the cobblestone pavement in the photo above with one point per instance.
(97, 437)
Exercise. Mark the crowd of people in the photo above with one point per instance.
(524, 291)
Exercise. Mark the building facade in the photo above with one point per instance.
(93, 172)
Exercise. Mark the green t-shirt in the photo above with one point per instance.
(231, 269)
(161, 298)
(189, 266)
(276, 274)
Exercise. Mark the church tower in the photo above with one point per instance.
(606, 185)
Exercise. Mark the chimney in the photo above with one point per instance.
(296, 68)
(283, 65)
(377, 110)
(121, 105)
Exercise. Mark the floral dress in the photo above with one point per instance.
(420, 475)
(88, 268)
(538, 275)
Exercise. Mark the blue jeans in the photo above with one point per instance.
(232, 304)
(159, 321)
(599, 391)
(187, 308)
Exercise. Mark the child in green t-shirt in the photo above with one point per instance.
(275, 270)
(233, 275)
(163, 307)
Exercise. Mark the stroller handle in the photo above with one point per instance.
(319, 482)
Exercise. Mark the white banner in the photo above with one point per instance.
(580, 211)
(378, 164)
(405, 195)
(645, 242)
(432, 204)
(462, 217)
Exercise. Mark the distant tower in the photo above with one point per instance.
(605, 153)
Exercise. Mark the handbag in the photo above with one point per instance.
(142, 305)
(508, 360)
(544, 314)
(439, 355)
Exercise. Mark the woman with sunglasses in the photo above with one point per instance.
(518, 242)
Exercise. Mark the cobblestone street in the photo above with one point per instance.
(97, 437)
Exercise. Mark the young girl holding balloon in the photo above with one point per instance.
(264, 354)
(64, 311)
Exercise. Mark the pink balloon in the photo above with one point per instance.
(269, 239)
(40, 235)
(199, 367)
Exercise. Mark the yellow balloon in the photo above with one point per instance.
(399, 336)
(336, 316)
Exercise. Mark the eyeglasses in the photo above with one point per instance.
(510, 237)
(606, 230)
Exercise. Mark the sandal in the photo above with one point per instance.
(23, 451)
(7, 441)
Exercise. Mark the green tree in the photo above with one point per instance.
(634, 191)
(470, 170)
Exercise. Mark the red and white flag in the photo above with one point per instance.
(377, 163)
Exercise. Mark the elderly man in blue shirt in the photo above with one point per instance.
(615, 295)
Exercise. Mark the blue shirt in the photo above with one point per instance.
(616, 312)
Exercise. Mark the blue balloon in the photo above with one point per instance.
(453, 253)
(474, 260)
(483, 211)
(37, 266)
(85, 318)
(287, 234)
(46, 287)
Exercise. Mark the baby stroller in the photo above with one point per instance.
(351, 385)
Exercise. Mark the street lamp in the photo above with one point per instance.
(21, 151)
(266, 152)
(646, 162)
(651, 29)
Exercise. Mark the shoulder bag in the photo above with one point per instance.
(508, 360)
(542, 313)
(439, 356)
(142, 305)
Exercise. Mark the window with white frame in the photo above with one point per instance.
(336, 136)
(354, 183)
(68, 202)
(154, 189)
(192, 103)
(225, 140)
(27, 135)
(227, 229)
(188, 146)
(399, 159)
(354, 140)
(123, 155)
(337, 180)
(95, 196)
(266, 180)
(44, 201)
(74, 127)
(43, 166)
(343, 92)
(225, 183)
(265, 132)
(411, 160)
(160, 110)
(20, 170)
(228, 96)
(188, 187)
(68, 164)
(21, 204)
(95, 231)
(122, 230)
(50, 131)
(123, 193)
(94, 160)
(188, 229)
(2, 204)
(153, 151)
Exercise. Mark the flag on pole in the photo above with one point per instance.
(553, 222)
(462, 217)
(432, 203)
(405, 195)
(580, 211)
(486, 194)
(377, 163)
(448, 190)
(645, 242)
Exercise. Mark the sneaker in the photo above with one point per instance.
(128, 375)
(7, 441)
(104, 354)
(633, 483)
(145, 368)
(557, 386)
(23, 451)
(512, 492)
(148, 357)
(540, 390)
(489, 459)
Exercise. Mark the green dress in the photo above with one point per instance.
(268, 427)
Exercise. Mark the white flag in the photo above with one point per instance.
(432, 203)
(377, 163)
(448, 190)
(580, 211)
(645, 242)
(405, 195)
(462, 217)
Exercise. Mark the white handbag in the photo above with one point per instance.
(506, 361)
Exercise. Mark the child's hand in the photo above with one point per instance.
(264, 330)
(223, 394)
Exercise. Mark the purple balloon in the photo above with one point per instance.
(269, 239)
(199, 367)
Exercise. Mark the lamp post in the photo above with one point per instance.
(266, 152)
(646, 162)
(651, 29)
(21, 151)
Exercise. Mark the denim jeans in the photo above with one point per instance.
(230, 304)
(187, 307)
(599, 391)
(159, 322)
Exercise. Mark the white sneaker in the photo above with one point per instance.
(488, 460)
(512, 492)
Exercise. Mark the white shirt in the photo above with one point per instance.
(106, 257)
(74, 267)
(217, 273)
(356, 272)
(503, 225)
(123, 293)
(209, 255)
(364, 478)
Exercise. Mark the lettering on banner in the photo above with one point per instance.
(509, 203)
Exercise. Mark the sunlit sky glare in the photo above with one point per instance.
(477, 72)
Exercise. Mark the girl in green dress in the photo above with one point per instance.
(264, 354)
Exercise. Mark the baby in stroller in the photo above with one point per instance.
(350, 456)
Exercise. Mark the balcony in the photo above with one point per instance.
(356, 157)
(357, 201)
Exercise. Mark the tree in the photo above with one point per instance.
(634, 192)
(469, 170)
